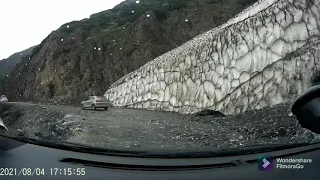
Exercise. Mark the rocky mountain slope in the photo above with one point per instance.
(85, 57)
(6, 65)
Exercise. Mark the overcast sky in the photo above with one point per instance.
(24, 23)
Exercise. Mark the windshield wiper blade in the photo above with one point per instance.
(222, 152)
(69, 146)
(262, 148)
(186, 154)
(275, 146)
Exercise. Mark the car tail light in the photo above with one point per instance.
(97, 100)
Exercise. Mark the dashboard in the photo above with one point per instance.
(20, 160)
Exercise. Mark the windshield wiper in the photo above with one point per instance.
(69, 146)
(223, 152)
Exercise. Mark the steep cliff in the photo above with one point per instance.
(85, 57)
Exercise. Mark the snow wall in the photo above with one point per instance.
(264, 56)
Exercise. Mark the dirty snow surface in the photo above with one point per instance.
(136, 129)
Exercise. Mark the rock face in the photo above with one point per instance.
(85, 57)
(264, 56)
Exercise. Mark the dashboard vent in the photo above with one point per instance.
(132, 167)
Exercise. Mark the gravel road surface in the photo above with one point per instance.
(136, 129)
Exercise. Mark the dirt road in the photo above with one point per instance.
(150, 130)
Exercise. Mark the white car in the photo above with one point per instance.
(3, 98)
(95, 102)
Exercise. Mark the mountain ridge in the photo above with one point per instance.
(8, 64)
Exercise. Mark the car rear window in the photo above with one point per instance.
(101, 98)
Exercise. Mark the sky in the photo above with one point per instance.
(25, 23)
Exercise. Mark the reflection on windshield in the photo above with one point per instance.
(166, 75)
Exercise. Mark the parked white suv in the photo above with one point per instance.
(95, 102)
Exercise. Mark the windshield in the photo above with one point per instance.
(195, 75)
